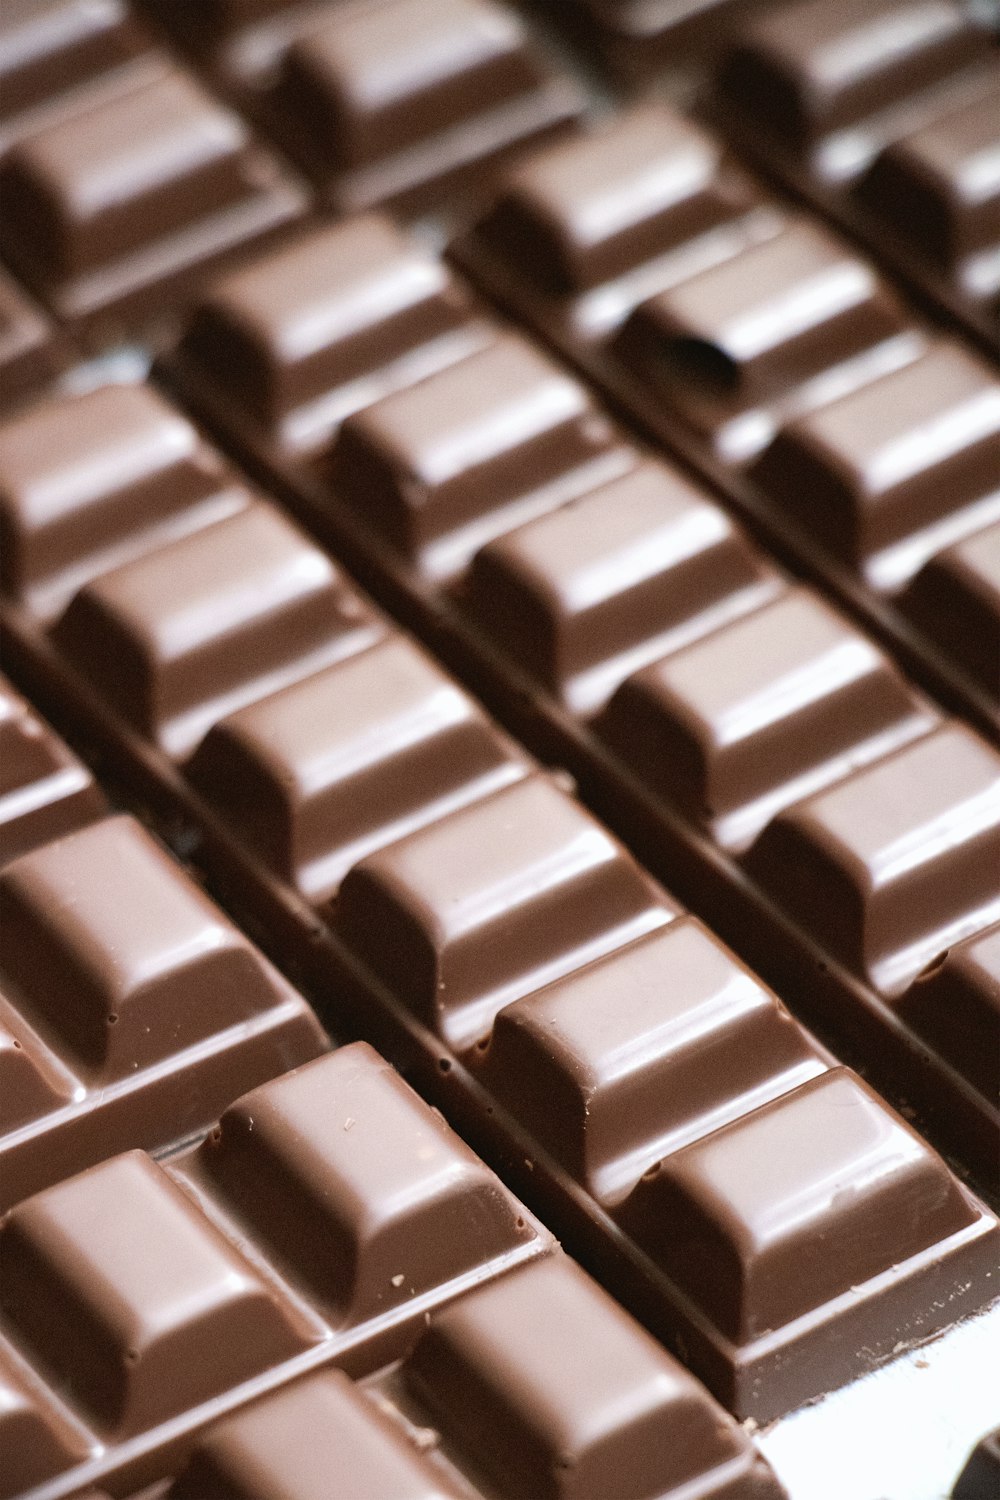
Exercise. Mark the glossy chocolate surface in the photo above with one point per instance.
(637, 568)
(88, 481)
(320, 774)
(45, 790)
(760, 713)
(885, 116)
(51, 49)
(107, 207)
(955, 598)
(896, 862)
(394, 100)
(204, 624)
(142, 1292)
(320, 327)
(442, 467)
(492, 902)
(137, 1010)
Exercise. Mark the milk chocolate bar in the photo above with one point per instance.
(885, 116)
(456, 937)
(633, 619)
(764, 351)
(45, 790)
(133, 1010)
(112, 208)
(182, 1290)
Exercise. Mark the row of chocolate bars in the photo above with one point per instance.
(196, 1237)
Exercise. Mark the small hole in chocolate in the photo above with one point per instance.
(934, 967)
(444, 1063)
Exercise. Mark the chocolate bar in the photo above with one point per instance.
(196, 188)
(45, 790)
(133, 1010)
(765, 352)
(885, 117)
(181, 1290)
(955, 600)
(455, 938)
(633, 634)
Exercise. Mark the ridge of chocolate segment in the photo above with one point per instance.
(442, 467)
(857, 1194)
(397, 100)
(323, 325)
(134, 1009)
(357, 1190)
(760, 713)
(178, 638)
(651, 1046)
(109, 206)
(786, 325)
(955, 599)
(892, 473)
(88, 481)
(322, 773)
(586, 595)
(622, 1417)
(892, 865)
(492, 902)
(293, 1442)
(44, 789)
(134, 1302)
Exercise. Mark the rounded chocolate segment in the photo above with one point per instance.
(194, 630)
(90, 189)
(87, 481)
(899, 861)
(36, 1440)
(955, 599)
(132, 1301)
(356, 1187)
(295, 1444)
(378, 78)
(656, 1044)
(775, 1215)
(939, 190)
(30, 352)
(493, 902)
(319, 775)
(893, 472)
(619, 1417)
(639, 567)
(807, 70)
(319, 327)
(439, 469)
(955, 1005)
(783, 325)
(117, 957)
(44, 790)
(109, 203)
(762, 712)
(589, 209)
(49, 46)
